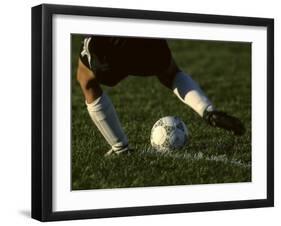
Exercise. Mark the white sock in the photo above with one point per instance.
(104, 116)
(189, 92)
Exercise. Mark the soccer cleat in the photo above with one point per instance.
(115, 152)
(222, 120)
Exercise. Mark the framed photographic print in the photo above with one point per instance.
(145, 112)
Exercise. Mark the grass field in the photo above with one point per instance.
(223, 70)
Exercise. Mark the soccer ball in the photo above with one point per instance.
(168, 133)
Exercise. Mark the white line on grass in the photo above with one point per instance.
(199, 156)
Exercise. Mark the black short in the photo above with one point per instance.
(106, 55)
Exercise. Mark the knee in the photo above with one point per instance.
(167, 77)
(86, 78)
(87, 82)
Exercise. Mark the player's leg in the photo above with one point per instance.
(101, 110)
(189, 92)
(88, 83)
(186, 89)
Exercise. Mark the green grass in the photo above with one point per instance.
(223, 69)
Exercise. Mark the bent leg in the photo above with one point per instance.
(185, 88)
(189, 92)
(101, 110)
(88, 83)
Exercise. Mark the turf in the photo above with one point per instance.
(223, 69)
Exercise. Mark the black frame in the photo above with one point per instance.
(42, 111)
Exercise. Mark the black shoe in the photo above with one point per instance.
(224, 121)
